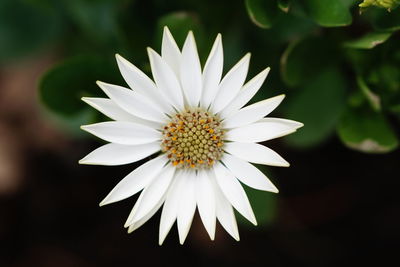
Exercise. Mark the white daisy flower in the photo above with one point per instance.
(200, 136)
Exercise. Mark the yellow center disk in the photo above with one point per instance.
(193, 139)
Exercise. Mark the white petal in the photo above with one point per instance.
(166, 80)
(212, 73)
(187, 206)
(171, 205)
(263, 130)
(113, 111)
(248, 174)
(147, 217)
(289, 123)
(245, 94)
(190, 71)
(206, 201)
(170, 51)
(231, 84)
(133, 102)
(136, 180)
(224, 212)
(140, 82)
(117, 154)
(121, 132)
(234, 192)
(153, 193)
(253, 112)
(255, 153)
(133, 211)
(110, 109)
(134, 77)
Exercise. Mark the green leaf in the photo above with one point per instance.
(369, 40)
(62, 87)
(25, 28)
(373, 99)
(284, 5)
(262, 13)
(366, 131)
(389, 76)
(288, 27)
(384, 80)
(328, 13)
(303, 59)
(318, 105)
(356, 99)
(360, 60)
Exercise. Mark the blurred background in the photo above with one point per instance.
(337, 63)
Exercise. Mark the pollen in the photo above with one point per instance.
(193, 139)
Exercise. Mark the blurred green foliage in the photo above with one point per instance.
(339, 68)
(25, 27)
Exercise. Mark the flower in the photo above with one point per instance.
(388, 4)
(200, 136)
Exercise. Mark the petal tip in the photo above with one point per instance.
(100, 83)
(151, 53)
(103, 202)
(120, 60)
(278, 99)
(166, 30)
(253, 220)
(218, 42)
(212, 236)
(265, 72)
(190, 40)
(150, 50)
(162, 237)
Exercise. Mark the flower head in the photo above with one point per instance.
(198, 132)
(388, 4)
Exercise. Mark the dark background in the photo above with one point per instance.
(336, 206)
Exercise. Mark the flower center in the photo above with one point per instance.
(193, 139)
